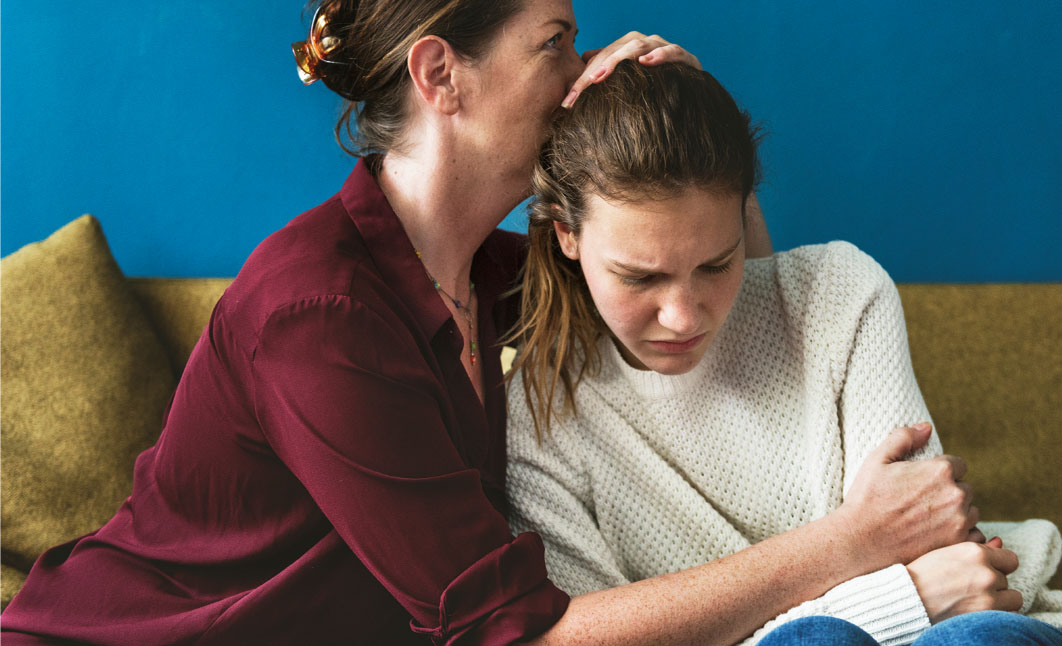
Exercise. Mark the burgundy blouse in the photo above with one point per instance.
(326, 473)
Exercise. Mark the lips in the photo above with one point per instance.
(677, 347)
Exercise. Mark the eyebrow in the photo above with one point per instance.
(567, 26)
(711, 261)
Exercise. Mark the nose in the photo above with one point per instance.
(680, 311)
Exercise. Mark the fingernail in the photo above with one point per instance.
(569, 100)
(923, 426)
(598, 74)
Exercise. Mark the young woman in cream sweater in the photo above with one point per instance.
(674, 405)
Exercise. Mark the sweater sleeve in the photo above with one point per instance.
(877, 392)
(549, 493)
(884, 603)
(877, 387)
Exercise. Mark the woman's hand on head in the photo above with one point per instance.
(900, 509)
(965, 577)
(647, 50)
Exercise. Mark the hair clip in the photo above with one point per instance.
(312, 52)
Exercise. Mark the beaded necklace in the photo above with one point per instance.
(464, 308)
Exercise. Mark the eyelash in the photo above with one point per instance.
(641, 281)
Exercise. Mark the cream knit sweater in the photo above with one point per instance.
(661, 473)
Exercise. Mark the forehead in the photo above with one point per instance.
(693, 223)
(538, 13)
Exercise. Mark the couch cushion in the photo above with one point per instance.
(179, 309)
(84, 386)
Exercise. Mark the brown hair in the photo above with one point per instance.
(644, 133)
(368, 66)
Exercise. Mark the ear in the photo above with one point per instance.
(569, 243)
(431, 63)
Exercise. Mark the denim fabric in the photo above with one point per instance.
(989, 628)
(818, 631)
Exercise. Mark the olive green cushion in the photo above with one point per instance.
(179, 309)
(84, 385)
(11, 580)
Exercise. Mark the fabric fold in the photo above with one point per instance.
(468, 616)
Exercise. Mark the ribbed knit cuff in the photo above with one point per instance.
(883, 603)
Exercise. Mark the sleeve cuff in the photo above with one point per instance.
(885, 603)
(502, 598)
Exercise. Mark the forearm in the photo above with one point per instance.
(722, 601)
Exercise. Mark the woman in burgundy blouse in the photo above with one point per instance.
(331, 469)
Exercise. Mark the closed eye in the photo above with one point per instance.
(717, 269)
(636, 281)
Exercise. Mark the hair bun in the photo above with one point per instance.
(314, 56)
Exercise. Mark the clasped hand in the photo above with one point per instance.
(920, 513)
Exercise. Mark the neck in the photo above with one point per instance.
(447, 203)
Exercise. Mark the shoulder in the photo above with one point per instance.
(315, 253)
(524, 444)
(314, 261)
(836, 261)
(833, 275)
(308, 339)
(816, 294)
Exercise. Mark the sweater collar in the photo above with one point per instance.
(649, 384)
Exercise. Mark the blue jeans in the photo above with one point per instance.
(974, 629)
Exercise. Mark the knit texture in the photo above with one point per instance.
(657, 474)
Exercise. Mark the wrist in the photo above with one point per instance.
(850, 548)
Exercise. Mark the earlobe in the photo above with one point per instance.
(431, 65)
(569, 244)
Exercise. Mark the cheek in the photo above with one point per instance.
(723, 294)
(624, 312)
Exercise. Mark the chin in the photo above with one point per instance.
(673, 366)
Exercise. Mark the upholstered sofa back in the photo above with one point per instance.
(988, 359)
(91, 357)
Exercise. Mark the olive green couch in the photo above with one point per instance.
(90, 359)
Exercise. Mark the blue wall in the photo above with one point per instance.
(927, 133)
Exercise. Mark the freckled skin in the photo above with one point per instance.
(517, 88)
(688, 272)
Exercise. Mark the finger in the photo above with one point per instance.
(670, 53)
(956, 466)
(1002, 559)
(995, 541)
(1009, 600)
(602, 64)
(632, 49)
(967, 493)
(973, 516)
(1001, 581)
(976, 536)
(899, 443)
(590, 53)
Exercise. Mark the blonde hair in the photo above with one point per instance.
(643, 133)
